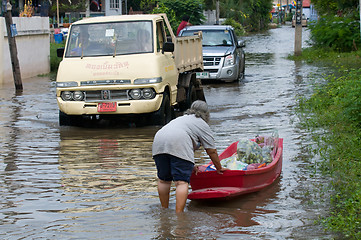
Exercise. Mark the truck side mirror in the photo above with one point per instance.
(168, 47)
(241, 44)
(60, 52)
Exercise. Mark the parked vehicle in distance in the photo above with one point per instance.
(303, 21)
(125, 66)
(223, 54)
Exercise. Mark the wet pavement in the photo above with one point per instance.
(100, 183)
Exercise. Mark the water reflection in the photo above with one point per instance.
(105, 166)
(214, 220)
(100, 182)
(11, 148)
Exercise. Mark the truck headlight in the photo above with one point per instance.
(135, 94)
(148, 93)
(78, 96)
(229, 60)
(147, 80)
(145, 93)
(66, 84)
(67, 96)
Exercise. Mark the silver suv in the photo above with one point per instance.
(223, 54)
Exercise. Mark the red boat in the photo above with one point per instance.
(210, 185)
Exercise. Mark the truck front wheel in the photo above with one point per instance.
(164, 114)
(69, 120)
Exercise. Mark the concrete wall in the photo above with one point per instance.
(33, 45)
(211, 18)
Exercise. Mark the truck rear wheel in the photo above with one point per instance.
(164, 114)
(191, 94)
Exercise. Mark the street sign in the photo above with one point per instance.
(14, 32)
(3, 7)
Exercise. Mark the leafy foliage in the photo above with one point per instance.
(147, 6)
(192, 8)
(252, 14)
(176, 9)
(170, 15)
(257, 14)
(66, 6)
(54, 59)
(332, 7)
(337, 33)
(238, 28)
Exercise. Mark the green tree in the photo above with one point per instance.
(135, 5)
(66, 6)
(176, 9)
(256, 14)
(170, 15)
(230, 9)
(192, 8)
(331, 7)
(338, 27)
(147, 6)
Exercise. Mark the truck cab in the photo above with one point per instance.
(118, 65)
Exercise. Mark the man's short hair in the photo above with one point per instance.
(186, 18)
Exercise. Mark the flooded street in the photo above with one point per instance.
(100, 183)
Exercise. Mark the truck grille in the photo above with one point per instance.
(211, 61)
(106, 95)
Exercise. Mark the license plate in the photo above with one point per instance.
(202, 74)
(107, 107)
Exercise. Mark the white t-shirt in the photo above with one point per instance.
(181, 137)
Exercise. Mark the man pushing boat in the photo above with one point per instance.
(173, 152)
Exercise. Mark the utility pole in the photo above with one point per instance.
(57, 14)
(217, 12)
(12, 48)
(298, 29)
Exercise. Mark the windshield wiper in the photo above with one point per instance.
(223, 44)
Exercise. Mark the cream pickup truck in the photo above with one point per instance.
(130, 66)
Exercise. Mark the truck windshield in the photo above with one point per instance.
(112, 38)
(213, 37)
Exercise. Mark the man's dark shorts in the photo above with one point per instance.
(171, 168)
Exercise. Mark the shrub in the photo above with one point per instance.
(238, 28)
(54, 59)
(337, 33)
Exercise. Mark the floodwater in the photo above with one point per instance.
(100, 183)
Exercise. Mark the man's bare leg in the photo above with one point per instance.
(181, 194)
(163, 192)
